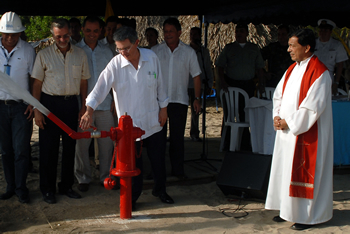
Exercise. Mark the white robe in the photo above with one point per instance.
(317, 106)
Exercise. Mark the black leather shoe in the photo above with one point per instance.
(196, 139)
(278, 219)
(299, 226)
(164, 197)
(6, 195)
(70, 193)
(24, 198)
(49, 198)
(83, 187)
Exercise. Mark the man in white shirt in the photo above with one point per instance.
(17, 59)
(99, 56)
(330, 51)
(178, 62)
(61, 72)
(140, 91)
(301, 178)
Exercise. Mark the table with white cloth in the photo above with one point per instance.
(261, 125)
(341, 132)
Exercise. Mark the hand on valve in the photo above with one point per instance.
(86, 119)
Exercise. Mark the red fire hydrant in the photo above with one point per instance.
(125, 136)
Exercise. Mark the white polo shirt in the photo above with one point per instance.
(330, 53)
(21, 60)
(176, 68)
(139, 93)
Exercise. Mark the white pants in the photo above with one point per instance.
(103, 121)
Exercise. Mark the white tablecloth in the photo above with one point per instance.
(261, 125)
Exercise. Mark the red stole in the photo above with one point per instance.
(305, 154)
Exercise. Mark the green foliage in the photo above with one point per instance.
(38, 27)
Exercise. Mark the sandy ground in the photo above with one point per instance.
(200, 206)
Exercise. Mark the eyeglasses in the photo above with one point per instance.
(127, 49)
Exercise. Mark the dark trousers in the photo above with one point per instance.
(194, 130)
(155, 146)
(177, 114)
(15, 134)
(66, 109)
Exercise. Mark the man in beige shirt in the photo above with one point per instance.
(60, 74)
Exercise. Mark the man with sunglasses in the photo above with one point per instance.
(61, 72)
(140, 91)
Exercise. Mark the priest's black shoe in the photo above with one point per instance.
(49, 198)
(24, 198)
(164, 197)
(6, 195)
(278, 219)
(299, 226)
(70, 193)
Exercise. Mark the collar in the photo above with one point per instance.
(82, 43)
(143, 58)
(58, 50)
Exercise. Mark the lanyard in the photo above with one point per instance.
(7, 57)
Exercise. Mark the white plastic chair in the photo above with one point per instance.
(268, 93)
(230, 105)
(342, 92)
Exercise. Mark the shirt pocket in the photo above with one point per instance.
(332, 56)
(151, 79)
(76, 71)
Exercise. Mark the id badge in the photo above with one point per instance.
(7, 69)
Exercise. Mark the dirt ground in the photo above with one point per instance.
(200, 206)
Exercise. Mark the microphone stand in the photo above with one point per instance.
(203, 156)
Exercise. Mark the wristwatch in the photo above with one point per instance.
(198, 98)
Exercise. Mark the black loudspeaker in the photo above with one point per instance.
(245, 174)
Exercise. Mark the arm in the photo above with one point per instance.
(197, 91)
(39, 117)
(339, 69)
(221, 72)
(83, 95)
(86, 119)
(163, 116)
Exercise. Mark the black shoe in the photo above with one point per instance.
(196, 139)
(71, 194)
(83, 187)
(24, 198)
(49, 198)
(6, 195)
(164, 197)
(278, 219)
(299, 226)
(181, 177)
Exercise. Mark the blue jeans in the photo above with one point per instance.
(15, 134)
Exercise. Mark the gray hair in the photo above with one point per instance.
(59, 23)
(124, 33)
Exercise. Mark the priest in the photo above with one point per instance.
(301, 179)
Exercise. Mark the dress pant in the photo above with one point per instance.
(103, 121)
(155, 146)
(15, 134)
(66, 109)
(177, 114)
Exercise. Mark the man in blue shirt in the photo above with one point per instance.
(99, 56)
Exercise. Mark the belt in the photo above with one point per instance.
(65, 97)
(10, 102)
